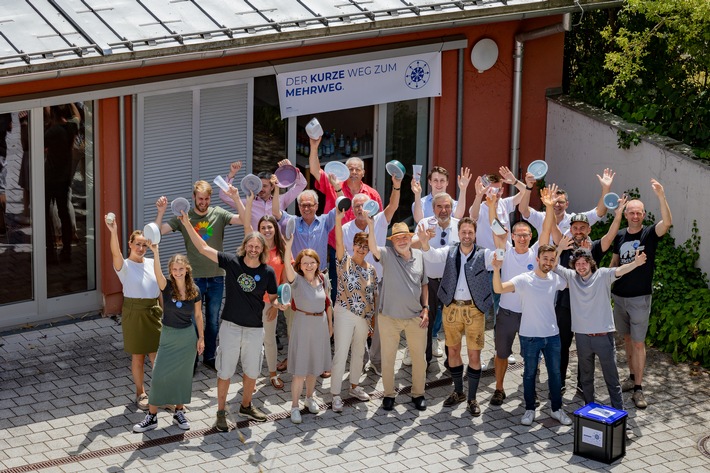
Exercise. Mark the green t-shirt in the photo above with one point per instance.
(211, 228)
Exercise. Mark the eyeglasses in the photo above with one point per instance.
(306, 205)
(522, 235)
(140, 245)
(311, 263)
(443, 238)
(361, 245)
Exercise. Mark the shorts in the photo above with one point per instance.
(631, 316)
(507, 327)
(235, 343)
(460, 319)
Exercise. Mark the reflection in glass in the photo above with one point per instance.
(269, 129)
(69, 198)
(15, 230)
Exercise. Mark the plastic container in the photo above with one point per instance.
(600, 433)
(313, 129)
(110, 218)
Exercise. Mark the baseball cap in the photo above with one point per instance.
(579, 218)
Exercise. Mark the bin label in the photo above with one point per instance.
(592, 437)
(601, 412)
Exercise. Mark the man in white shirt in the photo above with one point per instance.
(438, 182)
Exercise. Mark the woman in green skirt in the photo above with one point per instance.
(172, 372)
(140, 316)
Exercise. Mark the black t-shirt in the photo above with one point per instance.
(245, 289)
(597, 254)
(638, 282)
(177, 314)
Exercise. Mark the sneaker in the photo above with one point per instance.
(436, 348)
(627, 385)
(639, 400)
(511, 359)
(579, 391)
(222, 424)
(376, 369)
(251, 412)
(296, 415)
(359, 393)
(528, 418)
(498, 397)
(180, 419)
(560, 415)
(142, 401)
(484, 366)
(407, 360)
(149, 423)
(454, 399)
(312, 405)
(474, 408)
(337, 404)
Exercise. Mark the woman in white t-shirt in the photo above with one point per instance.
(141, 314)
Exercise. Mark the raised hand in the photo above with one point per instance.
(397, 182)
(416, 188)
(530, 180)
(331, 177)
(640, 258)
(507, 175)
(162, 203)
(480, 188)
(622, 204)
(284, 162)
(423, 233)
(234, 169)
(565, 243)
(464, 178)
(657, 188)
(606, 179)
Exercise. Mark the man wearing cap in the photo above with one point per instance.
(404, 307)
(353, 227)
(632, 294)
(592, 319)
(263, 200)
(563, 219)
(442, 230)
(579, 230)
(465, 292)
(209, 222)
(438, 178)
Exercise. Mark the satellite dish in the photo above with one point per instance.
(484, 54)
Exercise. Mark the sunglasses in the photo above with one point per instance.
(443, 238)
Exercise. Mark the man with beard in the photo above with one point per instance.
(465, 292)
(538, 328)
(632, 295)
(241, 334)
(442, 231)
(592, 319)
(209, 223)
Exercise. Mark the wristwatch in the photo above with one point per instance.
(425, 307)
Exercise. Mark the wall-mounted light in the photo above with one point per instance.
(484, 54)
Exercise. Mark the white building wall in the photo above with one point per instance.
(582, 141)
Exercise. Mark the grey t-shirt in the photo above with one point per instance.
(591, 309)
(402, 282)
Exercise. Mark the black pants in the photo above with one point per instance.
(564, 322)
(433, 305)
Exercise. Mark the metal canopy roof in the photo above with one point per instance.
(47, 35)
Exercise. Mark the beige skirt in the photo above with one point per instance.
(141, 323)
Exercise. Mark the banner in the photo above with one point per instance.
(359, 84)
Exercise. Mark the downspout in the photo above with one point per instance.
(122, 160)
(520, 39)
(459, 117)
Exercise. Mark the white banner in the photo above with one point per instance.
(359, 84)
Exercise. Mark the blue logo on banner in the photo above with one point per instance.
(417, 74)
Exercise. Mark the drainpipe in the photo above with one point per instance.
(122, 160)
(520, 39)
(459, 117)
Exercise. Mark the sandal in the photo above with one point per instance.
(276, 382)
(325, 374)
(283, 366)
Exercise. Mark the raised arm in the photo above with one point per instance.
(371, 240)
(639, 260)
(234, 194)
(295, 189)
(464, 180)
(247, 214)
(417, 210)
(288, 260)
(666, 218)
(313, 161)
(162, 282)
(524, 204)
(116, 256)
(549, 196)
(510, 179)
(199, 243)
(500, 287)
(393, 204)
(276, 204)
(226, 198)
(498, 240)
(162, 205)
(608, 239)
(476, 205)
(339, 244)
(605, 181)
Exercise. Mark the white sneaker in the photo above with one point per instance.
(180, 419)
(436, 348)
(149, 423)
(484, 366)
(296, 415)
(407, 360)
(359, 393)
(337, 404)
(312, 405)
(561, 417)
(511, 359)
(528, 418)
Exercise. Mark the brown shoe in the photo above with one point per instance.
(498, 397)
(454, 399)
(639, 400)
(474, 408)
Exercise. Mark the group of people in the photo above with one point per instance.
(349, 284)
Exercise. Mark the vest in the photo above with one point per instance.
(477, 278)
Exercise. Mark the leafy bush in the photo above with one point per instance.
(680, 307)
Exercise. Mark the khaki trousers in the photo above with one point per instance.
(390, 331)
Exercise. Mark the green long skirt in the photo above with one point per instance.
(172, 371)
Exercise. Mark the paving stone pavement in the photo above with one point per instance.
(66, 404)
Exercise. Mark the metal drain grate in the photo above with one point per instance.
(704, 445)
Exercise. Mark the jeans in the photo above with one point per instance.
(212, 291)
(433, 309)
(531, 348)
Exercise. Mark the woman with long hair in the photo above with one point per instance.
(269, 228)
(179, 344)
(311, 329)
(140, 315)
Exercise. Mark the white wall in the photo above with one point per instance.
(582, 141)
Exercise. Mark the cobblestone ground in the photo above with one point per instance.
(66, 404)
